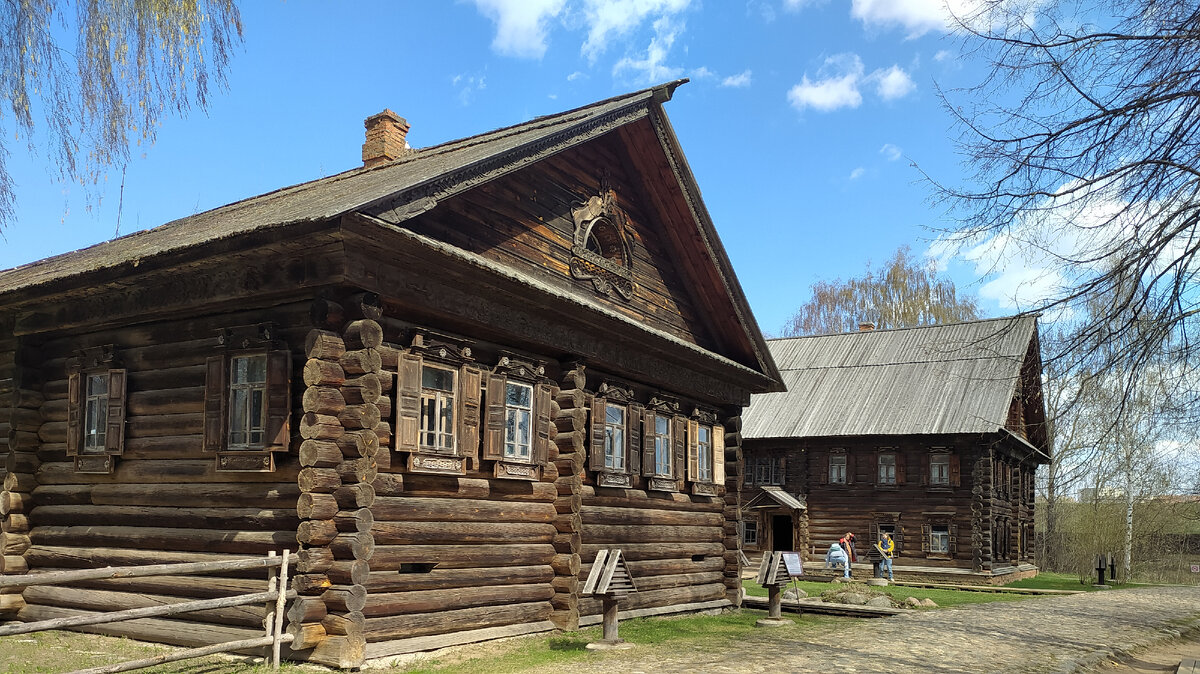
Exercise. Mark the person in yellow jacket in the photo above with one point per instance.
(887, 548)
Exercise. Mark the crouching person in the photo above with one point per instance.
(836, 557)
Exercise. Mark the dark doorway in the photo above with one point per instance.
(781, 532)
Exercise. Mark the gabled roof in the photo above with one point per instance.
(957, 378)
(401, 189)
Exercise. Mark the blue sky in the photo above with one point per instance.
(802, 121)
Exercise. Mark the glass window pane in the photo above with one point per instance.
(437, 379)
(519, 395)
(256, 369)
(97, 385)
(615, 415)
(661, 425)
(239, 368)
(238, 400)
(257, 412)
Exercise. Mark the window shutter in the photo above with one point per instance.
(873, 528)
(279, 400)
(955, 480)
(898, 539)
(596, 448)
(679, 458)
(925, 534)
(633, 454)
(544, 429)
(718, 451)
(114, 434)
(900, 473)
(470, 389)
(925, 468)
(823, 468)
(408, 409)
(215, 395)
(693, 450)
(74, 413)
(953, 539)
(647, 443)
(849, 468)
(493, 434)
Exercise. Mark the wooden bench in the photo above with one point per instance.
(1188, 666)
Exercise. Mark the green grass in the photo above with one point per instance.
(560, 651)
(54, 651)
(942, 598)
(1054, 581)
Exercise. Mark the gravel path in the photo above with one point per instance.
(1045, 634)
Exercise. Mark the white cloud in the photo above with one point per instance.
(890, 152)
(702, 73)
(941, 55)
(470, 85)
(797, 5)
(608, 20)
(520, 24)
(837, 86)
(893, 83)
(917, 17)
(653, 68)
(857, 173)
(739, 80)
(574, 76)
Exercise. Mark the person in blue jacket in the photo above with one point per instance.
(837, 557)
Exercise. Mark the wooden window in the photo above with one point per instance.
(706, 457)
(518, 422)
(749, 533)
(837, 469)
(704, 453)
(939, 469)
(939, 535)
(518, 430)
(95, 418)
(766, 470)
(614, 437)
(247, 408)
(660, 433)
(887, 469)
(939, 539)
(438, 393)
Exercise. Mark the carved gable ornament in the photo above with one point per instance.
(601, 252)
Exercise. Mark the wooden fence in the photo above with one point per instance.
(274, 598)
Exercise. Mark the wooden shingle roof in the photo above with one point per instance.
(957, 378)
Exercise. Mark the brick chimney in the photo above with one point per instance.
(385, 138)
(866, 327)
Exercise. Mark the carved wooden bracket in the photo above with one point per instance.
(600, 252)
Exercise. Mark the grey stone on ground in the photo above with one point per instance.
(856, 598)
(912, 602)
(885, 602)
(928, 603)
(1037, 635)
(793, 593)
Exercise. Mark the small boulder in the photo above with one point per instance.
(882, 602)
(839, 579)
(856, 598)
(912, 602)
(928, 603)
(793, 593)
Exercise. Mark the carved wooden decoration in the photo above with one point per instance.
(600, 252)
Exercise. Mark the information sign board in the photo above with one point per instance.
(795, 565)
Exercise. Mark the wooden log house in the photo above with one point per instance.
(445, 379)
(933, 434)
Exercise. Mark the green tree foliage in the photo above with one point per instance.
(907, 291)
(131, 62)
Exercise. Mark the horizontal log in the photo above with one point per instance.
(316, 532)
(666, 597)
(428, 533)
(465, 487)
(19, 440)
(357, 520)
(666, 567)
(568, 522)
(307, 609)
(158, 630)
(14, 543)
(320, 454)
(191, 587)
(339, 652)
(592, 515)
(319, 372)
(21, 462)
(385, 406)
(565, 565)
(323, 480)
(640, 551)
(178, 470)
(562, 601)
(306, 635)
(566, 584)
(645, 533)
(353, 496)
(158, 516)
(364, 389)
(161, 538)
(391, 557)
(427, 509)
(420, 624)
(15, 502)
(342, 599)
(567, 543)
(108, 601)
(350, 572)
(311, 583)
(183, 400)
(568, 503)
(444, 579)
(53, 431)
(363, 334)
(636, 498)
(156, 425)
(357, 470)
(359, 444)
(316, 506)
(323, 400)
(16, 523)
(25, 419)
(365, 416)
(314, 560)
(383, 431)
(10, 605)
(320, 426)
(361, 361)
(359, 545)
(428, 601)
(649, 583)
(170, 494)
(14, 565)
(346, 624)
(324, 345)
(22, 482)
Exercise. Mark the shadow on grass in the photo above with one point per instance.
(567, 644)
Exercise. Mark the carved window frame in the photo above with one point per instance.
(428, 349)
(615, 394)
(706, 473)
(239, 342)
(101, 362)
(515, 370)
(677, 438)
(610, 270)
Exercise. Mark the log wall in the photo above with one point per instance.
(165, 500)
(20, 400)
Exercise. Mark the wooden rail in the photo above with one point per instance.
(275, 598)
